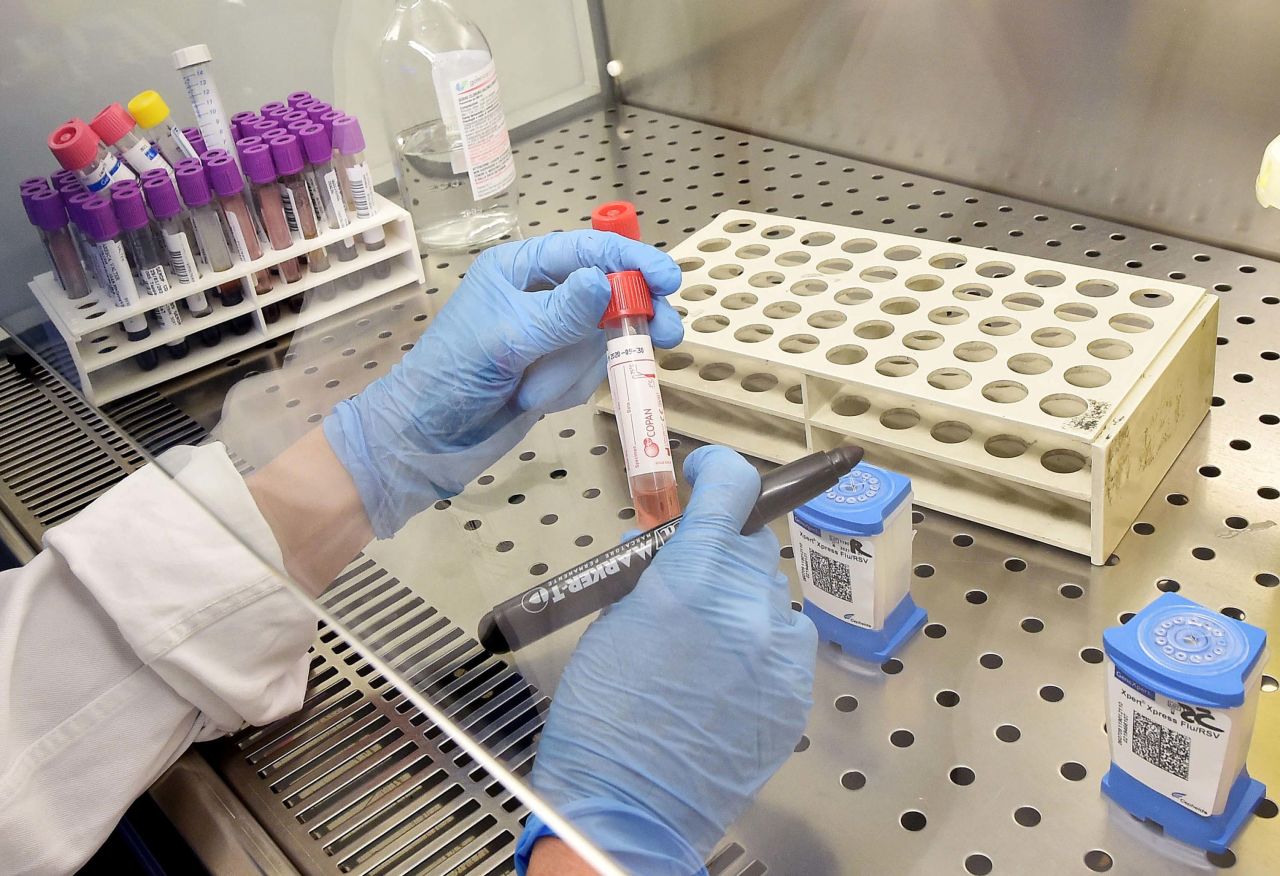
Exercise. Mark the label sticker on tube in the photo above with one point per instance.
(642, 425)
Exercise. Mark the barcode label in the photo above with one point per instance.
(290, 209)
(317, 202)
(155, 280)
(181, 261)
(837, 574)
(1162, 746)
(361, 187)
(337, 203)
(168, 317)
(830, 576)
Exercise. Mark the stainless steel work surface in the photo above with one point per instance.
(981, 747)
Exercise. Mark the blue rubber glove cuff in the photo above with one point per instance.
(637, 841)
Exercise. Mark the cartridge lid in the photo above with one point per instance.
(198, 54)
(112, 123)
(256, 160)
(97, 221)
(193, 184)
(347, 137)
(148, 108)
(46, 210)
(630, 296)
(286, 154)
(224, 176)
(315, 143)
(859, 503)
(161, 197)
(617, 216)
(74, 144)
(1183, 650)
(130, 210)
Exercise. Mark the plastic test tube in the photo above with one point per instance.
(49, 215)
(633, 381)
(286, 155)
(151, 113)
(75, 212)
(118, 130)
(193, 63)
(229, 186)
(322, 178)
(194, 187)
(266, 198)
(178, 236)
(147, 260)
(348, 143)
(78, 148)
(103, 231)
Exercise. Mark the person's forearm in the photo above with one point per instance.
(313, 509)
(553, 857)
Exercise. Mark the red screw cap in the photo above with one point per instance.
(630, 297)
(617, 216)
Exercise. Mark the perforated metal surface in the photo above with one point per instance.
(981, 747)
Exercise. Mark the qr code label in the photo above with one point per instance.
(1161, 746)
(830, 576)
(837, 574)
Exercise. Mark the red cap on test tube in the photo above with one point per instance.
(630, 291)
(617, 216)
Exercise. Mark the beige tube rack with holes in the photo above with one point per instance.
(1041, 398)
(102, 356)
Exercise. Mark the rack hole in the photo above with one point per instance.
(858, 245)
(1096, 288)
(850, 405)
(826, 319)
(853, 296)
(1005, 446)
(675, 361)
(725, 272)
(1029, 363)
(1087, 376)
(999, 325)
(1151, 298)
(902, 253)
(1109, 348)
(751, 251)
(899, 418)
(817, 238)
(713, 323)
(1045, 279)
(1064, 405)
(777, 232)
(794, 394)
(753, 334)
(1022, 301)
(714, 244)
(1133, 323)
(873, 330)
(698, 292)
(949, 378)
(806, 288)
(947, 261)
(1075, 311)
(1053, 337)
(971, 292)
(792, 258)
(900, 306)
(974, 351)
(738, 301)
(766, 279)
(878, 274)
(691, 263)
(922, 340)
(924, 283)
(994, 270)
(739, 225)
(1004, 391)
(759, 382)
(846, 354)
(896, 366)
(834, 266)
(948, 315)
(714, 371)
(798, 343)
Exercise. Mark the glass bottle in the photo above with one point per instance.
(452, 154)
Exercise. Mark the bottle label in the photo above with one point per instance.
(642, 425)
(115, 274)
(361, 185)
(483, 128)
(154, 280)
(837, 573)
(290, 210)
(181, 261)
(1175, 749)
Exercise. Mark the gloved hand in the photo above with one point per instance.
(518, 339)
(683, 698)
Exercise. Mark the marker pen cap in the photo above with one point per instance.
(257, 164)
(148, 108)
(98, 222)
(161, 197)
(348, 139)
(74, 144)
(297, 96)
(315, 143)
(286, 154)
(225, 177)
(46, 211)
(131, 211)
(193, 184)
(112, 123)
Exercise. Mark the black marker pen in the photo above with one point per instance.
(604, 579)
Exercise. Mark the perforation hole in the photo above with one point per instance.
(826, 319)
(752, 251)
(714, 371)
(725, 272)
(715, 244)
(1022, 301)
(1064, 405)
(708, 324)
(1096, 288)
(1053, 337)
(1075, 311)
(951, 432)
(971, 292)
(948, 315)
(947, 261)
(806, 288)
(1062, 461)
(896, 366)
(878, 274)
(853, 780)
(817, 238)
(924, 283)
(846, 354)
(853, 296)
(999, 325)
(834, 266)
(753, 334)
(922, 340)
(1045, 279)
(777, 232)
(1132, 323)
(698, 292)
(899, 418)
(850, 405)
(994, 270)
(1005, 446)
(900, 306)
(1087, 376)
(858, 245)
(974, 351)
(1109, 348)
(902, 253)
(1151, 298)
(792, 258)
(739, 301)
(949, 378)
(798, 343)
(1029, 363)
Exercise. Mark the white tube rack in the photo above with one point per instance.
(1042, 398)
(103, 356)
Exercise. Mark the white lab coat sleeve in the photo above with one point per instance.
(143, 626)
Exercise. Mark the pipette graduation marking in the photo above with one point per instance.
(599, 582)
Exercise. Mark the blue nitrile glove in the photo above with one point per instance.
(518, 339)
(683, 698)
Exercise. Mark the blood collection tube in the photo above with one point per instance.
(58, 177)
(77, 148)
(327, 119)
(119, 131)
(633, 381)
(296, 97)
(193, 62)
(293, 116)
(348, 143)
(178, 235)
(196, 139)
(266, 198)
(300, 210)
(225, 178)
(49, 215)
(103, 231)
(35, 183)
(273, 108)
(193, 184)
(152, 114)
(322, 179)
(75, 212)
(264, 126)
(147, 260)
